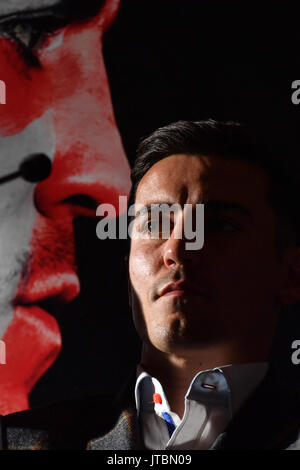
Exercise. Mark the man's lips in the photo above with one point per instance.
(179, 289)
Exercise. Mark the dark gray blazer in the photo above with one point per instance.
(270, 419)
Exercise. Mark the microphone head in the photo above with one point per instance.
(35, 167)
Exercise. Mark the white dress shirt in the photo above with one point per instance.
(212, 399)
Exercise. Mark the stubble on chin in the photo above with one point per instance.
(169, 327)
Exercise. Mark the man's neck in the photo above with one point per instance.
(175, 371)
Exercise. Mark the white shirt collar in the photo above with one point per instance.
(225, 390)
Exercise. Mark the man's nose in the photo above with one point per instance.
(174, 249)
(174, 254)
(89, 164)
(179, 249)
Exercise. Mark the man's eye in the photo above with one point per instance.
(221, 225)
(30, 33)
(25, 35)
(151, 226)
(159, 227)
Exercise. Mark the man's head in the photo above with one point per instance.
(58, 102)
(231, 290)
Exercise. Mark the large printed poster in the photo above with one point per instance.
(82, 82)
(58, 103)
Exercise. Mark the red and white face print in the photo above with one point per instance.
(58, 102)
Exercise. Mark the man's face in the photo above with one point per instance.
(232, 285)
(58, 103)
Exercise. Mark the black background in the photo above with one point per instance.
(169, 60)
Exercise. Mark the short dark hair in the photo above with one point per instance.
(232, 140)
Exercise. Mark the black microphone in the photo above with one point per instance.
(34, 168)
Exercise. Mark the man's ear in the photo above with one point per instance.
(126, 260)
(290, 292)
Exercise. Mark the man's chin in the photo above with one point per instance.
(172, 334)
(178, 334)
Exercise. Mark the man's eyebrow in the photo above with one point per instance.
(216, 206)
(66, 10)
(212, 206)
(147, 207)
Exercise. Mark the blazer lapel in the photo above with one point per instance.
(270, 418)
(125, 435)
